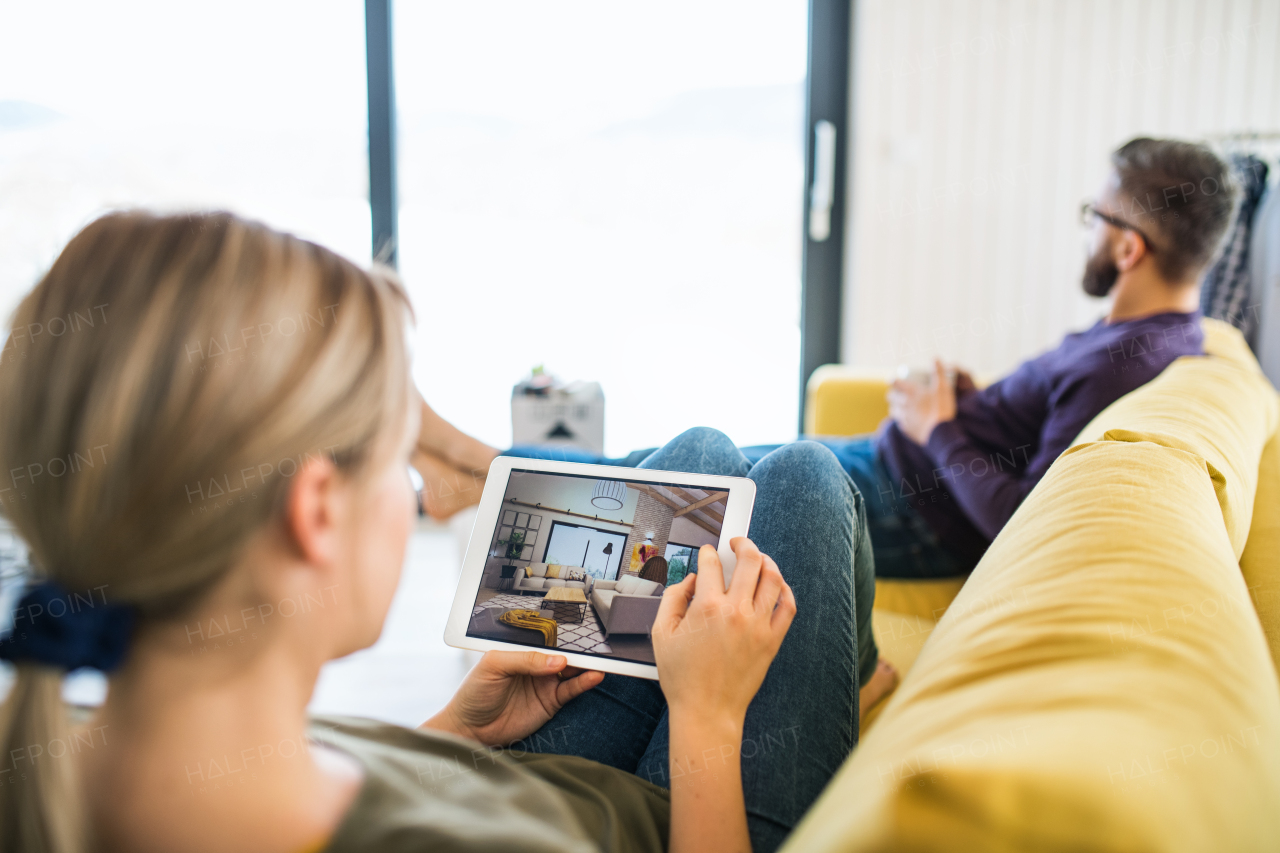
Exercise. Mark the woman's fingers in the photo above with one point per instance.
(521, 663)
(769, 587)
(572, 688)
(675, 604)
(711, 571)
(747, 573)
(784, 612)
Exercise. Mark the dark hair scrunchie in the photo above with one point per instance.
(54, 628)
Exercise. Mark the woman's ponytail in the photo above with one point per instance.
(41, 807)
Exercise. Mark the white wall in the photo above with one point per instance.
(686, 532)
(563, 493)
(981, 125)
(569, 493)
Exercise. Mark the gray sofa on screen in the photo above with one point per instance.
(534, 580)
(626, 606)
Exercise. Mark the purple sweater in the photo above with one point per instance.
(969, 478)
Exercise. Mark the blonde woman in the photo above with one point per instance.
(212, 481)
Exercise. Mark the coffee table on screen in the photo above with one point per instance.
(568, 595)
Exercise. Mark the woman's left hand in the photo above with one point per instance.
(510, 695)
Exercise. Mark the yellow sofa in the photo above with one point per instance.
(1105, 679)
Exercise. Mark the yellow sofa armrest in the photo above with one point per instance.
(843, 400)
(1260, 562)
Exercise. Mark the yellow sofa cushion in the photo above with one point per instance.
(906, 610)
(843, 400)
(1220, 407)
(899, 639)
(927, 599)
(1100, 683)
(904, 615)
(1260, 562)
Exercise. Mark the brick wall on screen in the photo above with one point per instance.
(651, 514)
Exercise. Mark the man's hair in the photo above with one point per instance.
(1180, 193)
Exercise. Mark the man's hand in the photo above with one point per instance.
(510, 695)
(919, 408)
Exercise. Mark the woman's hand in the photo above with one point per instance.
(713, 646)
(510, 695)
(713, 649)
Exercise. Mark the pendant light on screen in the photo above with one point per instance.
(608, 494)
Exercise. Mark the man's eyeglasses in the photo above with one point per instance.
(1089, 211)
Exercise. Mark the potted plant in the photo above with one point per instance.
(514, 543)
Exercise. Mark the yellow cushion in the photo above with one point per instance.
(899, 639)
(925, 599)
(903, 617)
(1220, 407)
(1260, 561)
(1101, 682)
(906, 610)
(845, 400)
(553, 570)
(842, 400)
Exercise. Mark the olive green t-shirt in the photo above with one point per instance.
(426, 790)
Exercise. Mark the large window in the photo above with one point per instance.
(258, 106)
(679, 559)
(613, 190)
(597, 551)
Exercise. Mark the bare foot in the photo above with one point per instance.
(446, 488)
(880, 685)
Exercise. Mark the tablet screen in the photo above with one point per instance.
(579, 564)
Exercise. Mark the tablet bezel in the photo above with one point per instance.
(737, 521)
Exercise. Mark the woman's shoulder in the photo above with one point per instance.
(425, 788)
(428, 789)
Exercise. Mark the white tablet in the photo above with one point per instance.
(574, 558)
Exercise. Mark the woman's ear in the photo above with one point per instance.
(314, 506)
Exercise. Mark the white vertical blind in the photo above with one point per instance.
(980, 126)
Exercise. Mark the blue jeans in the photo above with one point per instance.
(803, 722)
(903, 543)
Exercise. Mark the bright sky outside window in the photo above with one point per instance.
(257, 107)
(614, 191)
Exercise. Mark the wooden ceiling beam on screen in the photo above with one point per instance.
(669, 492)
(691, 497)
(714, 531)
(700, 504)
(720, 498)
(655, 494)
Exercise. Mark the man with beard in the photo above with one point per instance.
(962, 460)
(947, 469)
